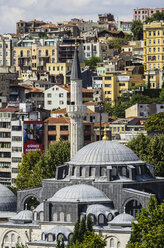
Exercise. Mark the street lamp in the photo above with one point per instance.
(101, 109)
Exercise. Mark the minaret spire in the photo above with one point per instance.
(76, 110)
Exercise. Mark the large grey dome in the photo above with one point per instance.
(24, 215)
(79, 193)
(104, 152)
(7, 199)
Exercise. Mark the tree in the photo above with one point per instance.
(92, 61)
(75, 236)
(25, 169)
(36, 166)
(158, 16)
(82, 229)
(151, 150)
(148, 232)
(91, 240)
(155, 122)
(89, 223)
(137, 30)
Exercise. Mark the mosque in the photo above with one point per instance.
(104, 179)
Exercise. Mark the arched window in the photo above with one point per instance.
(35, 216)
(13, 237)
(110, 216)
(60, 236)
(91, 172)
(73, 170)
(118, 245)
(55, 217)
(124, 171)
(43, 236)
(101, 219)
(93, 218)
(102, 171)
(111, 243)
(19, 240)
(82, 171)
(41, 216)
(50, 237)
(114, 171)
(6, 239)
(68, 217)
(61, 216)
(133, 207)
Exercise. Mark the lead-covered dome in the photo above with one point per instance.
(104, 152)
(79, 193)
(7, 199)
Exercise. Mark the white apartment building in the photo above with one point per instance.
(96, 49)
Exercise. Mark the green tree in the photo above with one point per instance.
(151, 150)
(75, 236)
(89, 223)
(82, 229)
(25, 169)
(155, 122)
(158, 16)
(137, 30)
(91, 240)
(148, 232)
(92, 61)
(36, 166)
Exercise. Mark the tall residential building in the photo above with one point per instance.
(76, 110)
(153, 35)
(141, 14)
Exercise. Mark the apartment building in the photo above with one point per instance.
(153, 35)
(96, 49)
(59, 128)
(142, 13)
(58, 96)
(115, 85)
(23, 27)
(34, 54)
(145, 110)
(124, 27)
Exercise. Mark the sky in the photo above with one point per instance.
(12, 11)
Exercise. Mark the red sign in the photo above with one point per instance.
(33, 133)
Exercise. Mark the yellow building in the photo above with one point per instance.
(60, 68)
(114, 85)
(34, 56)
(153, 35)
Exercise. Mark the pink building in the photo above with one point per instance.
(141, 14)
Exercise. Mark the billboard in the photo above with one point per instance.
(33, 134)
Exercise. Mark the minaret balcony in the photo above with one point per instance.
(76, 110)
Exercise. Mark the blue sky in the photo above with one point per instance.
(12, 11)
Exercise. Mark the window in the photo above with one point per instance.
(61, 102)
(48, 94)
(53, 52)
(154, 49)
(154, 33)
(63, 128)
(51, 137)
(51, 128)
(107, 85)
(112, 243)
(5, 135)
(16, 149)
(158, 41)
(149, 33)
(14, 170)
(5, 154)
(53, 60)
(16, 128)
(101, 219)
(5, 165)
(16, 138)
(107, 92)
(121, 84)
(153, 41)
(50, 238)
(46, 52)
(40, 52)
(149, 41)
(49, 102)
(149, 49)
(28, 53)
(16, 160)
(107, 78)
(158, 49)
(61, 94)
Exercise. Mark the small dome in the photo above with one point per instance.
(7, 199)
(25, 216)
(123, 219)
(39, 208)
(96, 209)
(59, 229)
(81, 193)
(104, 152)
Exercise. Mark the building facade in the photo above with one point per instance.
(141, 14)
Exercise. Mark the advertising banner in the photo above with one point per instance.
(33, 135)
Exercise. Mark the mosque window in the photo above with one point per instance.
(102, 171)
(41, 215)
(19, 240)
(110, 216)
(43, 236)
(12, 237)
(91, 171)
(35, 215)
(50, 237)
(6, 238)
(101, 219)
(124, 171)
(60, 237)
(61, 216)
(114, 171)
(118, 245)
(82, 171)
(55, 217)
(133, 207)
(68, 217)
(112, 243)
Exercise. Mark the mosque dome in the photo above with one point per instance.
(123, 219)
(39, 208)
(96, 209)
(59, 229)
(104, 152)
(7, 199)
(23, 216)
(79, 193)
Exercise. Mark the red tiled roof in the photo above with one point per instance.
(91, 103)
(9, 109)
(64, 111)
(68, 88)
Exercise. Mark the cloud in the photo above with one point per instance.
(12, 11)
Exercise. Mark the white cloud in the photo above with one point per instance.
(12, 11)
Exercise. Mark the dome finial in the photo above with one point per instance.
(26, 206)
(124, 210)
(105, 137)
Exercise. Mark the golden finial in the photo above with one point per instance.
(105, 137)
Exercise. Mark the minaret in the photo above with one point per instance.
(76, 110)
